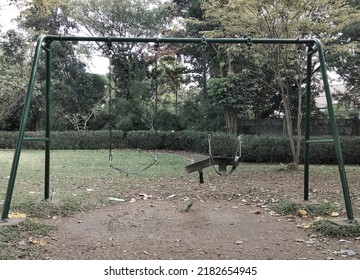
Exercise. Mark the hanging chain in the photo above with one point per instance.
(109, 44)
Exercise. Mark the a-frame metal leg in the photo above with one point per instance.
(334, 129)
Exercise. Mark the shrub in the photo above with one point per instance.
(8, 140)
(267, 148)
(145, 140)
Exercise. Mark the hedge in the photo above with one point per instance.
(267, 148)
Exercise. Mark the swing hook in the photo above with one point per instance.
(249, 42)
(157, 44)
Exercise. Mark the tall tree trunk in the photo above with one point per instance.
(295, 149)
(230, 120)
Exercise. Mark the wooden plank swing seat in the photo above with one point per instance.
(221, 162)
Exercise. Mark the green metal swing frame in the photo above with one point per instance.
(44, 45)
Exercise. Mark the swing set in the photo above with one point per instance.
(313, 46)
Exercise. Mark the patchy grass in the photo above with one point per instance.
(330, 229)
(82, 180)
(41, 209)
(287, 206)
(23, 240)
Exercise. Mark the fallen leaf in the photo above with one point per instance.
(40, 242)
(304, 226)
(302, 213)
(319, 218)
(17, 215)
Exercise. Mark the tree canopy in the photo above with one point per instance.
(154, 86)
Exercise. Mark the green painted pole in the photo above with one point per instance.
(335, 132)
(47, 122)
(310, 52)
(23, 123)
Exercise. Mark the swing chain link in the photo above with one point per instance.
(204, 43)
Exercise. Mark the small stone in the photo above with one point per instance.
(239, 242)
(116, 199)
(349, 253)
(21, 244)
(345, 241)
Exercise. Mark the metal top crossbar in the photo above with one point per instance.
(179, 40)
(44, 44)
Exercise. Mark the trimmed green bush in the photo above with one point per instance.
(267, 148)
(7, 139)
(145, 140)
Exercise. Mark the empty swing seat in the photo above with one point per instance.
(222, 162)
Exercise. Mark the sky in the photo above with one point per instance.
(98, 65)
(7, 13)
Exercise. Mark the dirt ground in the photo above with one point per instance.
(229, 218)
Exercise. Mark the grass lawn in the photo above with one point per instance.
(83, 178)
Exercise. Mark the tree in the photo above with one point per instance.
(13, 79)
(132, 64)
(346, 64)
(282, 19)
(76, 92)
